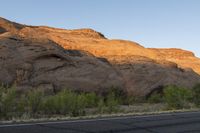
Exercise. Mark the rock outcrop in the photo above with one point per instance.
(43, 64)
(84, 60)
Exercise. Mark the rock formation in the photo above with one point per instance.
(84, 60)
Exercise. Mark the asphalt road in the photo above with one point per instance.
(188, 122)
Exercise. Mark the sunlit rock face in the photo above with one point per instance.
(85, 60)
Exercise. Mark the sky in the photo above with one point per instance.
(152, 23)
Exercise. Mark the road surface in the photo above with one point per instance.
(188, 122)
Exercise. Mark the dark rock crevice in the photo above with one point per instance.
(2, 30)
(157, 90)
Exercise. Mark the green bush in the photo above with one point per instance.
(21, 105)
(7, 102)
(112, 102)
(155, 98)
(50, 105)
(117, 93)
(66, 103)
(177, 97)
(2, 91)
(101, 106)
(91, 100)
(34, 101)
(196, 94)
(79, 105)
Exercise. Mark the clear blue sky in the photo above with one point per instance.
(152, 23)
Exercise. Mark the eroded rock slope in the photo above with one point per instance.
(52, 59)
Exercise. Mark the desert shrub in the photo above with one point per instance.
(34, 101)
(112, 102)
(66, 103)
(7, 102)
(196, 94)
(155, 98)
(51, 105)
(177, 97)
(79, 105)
(21, 105)
(2, 91)
(101, 106)
(91, 100)
(117, 93)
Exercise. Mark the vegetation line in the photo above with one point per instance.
(36, 105)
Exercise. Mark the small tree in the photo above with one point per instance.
(196, 94)
(177, 97)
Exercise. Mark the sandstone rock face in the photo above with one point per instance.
(184, 59)
(32, 62)
(52, 59)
